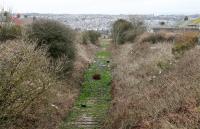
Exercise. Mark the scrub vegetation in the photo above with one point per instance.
(41, 68)
(152, 88)
(53, 77)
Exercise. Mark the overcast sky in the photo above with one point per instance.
(104, 6)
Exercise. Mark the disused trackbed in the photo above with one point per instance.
(90, 109)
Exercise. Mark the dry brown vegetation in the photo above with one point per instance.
(36, 89)
(184, 42)
(25, 78)
(158, 37)
(9, 31)
(152, 89)
(31, 95)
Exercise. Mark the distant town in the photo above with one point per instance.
(103, 23)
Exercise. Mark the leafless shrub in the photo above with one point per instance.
(25, 78)
(31, 94)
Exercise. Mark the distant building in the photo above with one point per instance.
(184, 25)
(175, 29)
(193, 25)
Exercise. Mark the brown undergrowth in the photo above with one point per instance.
(31, 94)
(152, 89)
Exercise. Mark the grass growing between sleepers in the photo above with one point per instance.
(91, 107)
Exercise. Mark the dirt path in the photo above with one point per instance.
(91, 107)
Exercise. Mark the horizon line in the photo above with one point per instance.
(125, 14)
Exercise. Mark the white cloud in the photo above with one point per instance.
(104, 6)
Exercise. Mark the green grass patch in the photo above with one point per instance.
(103, 54)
